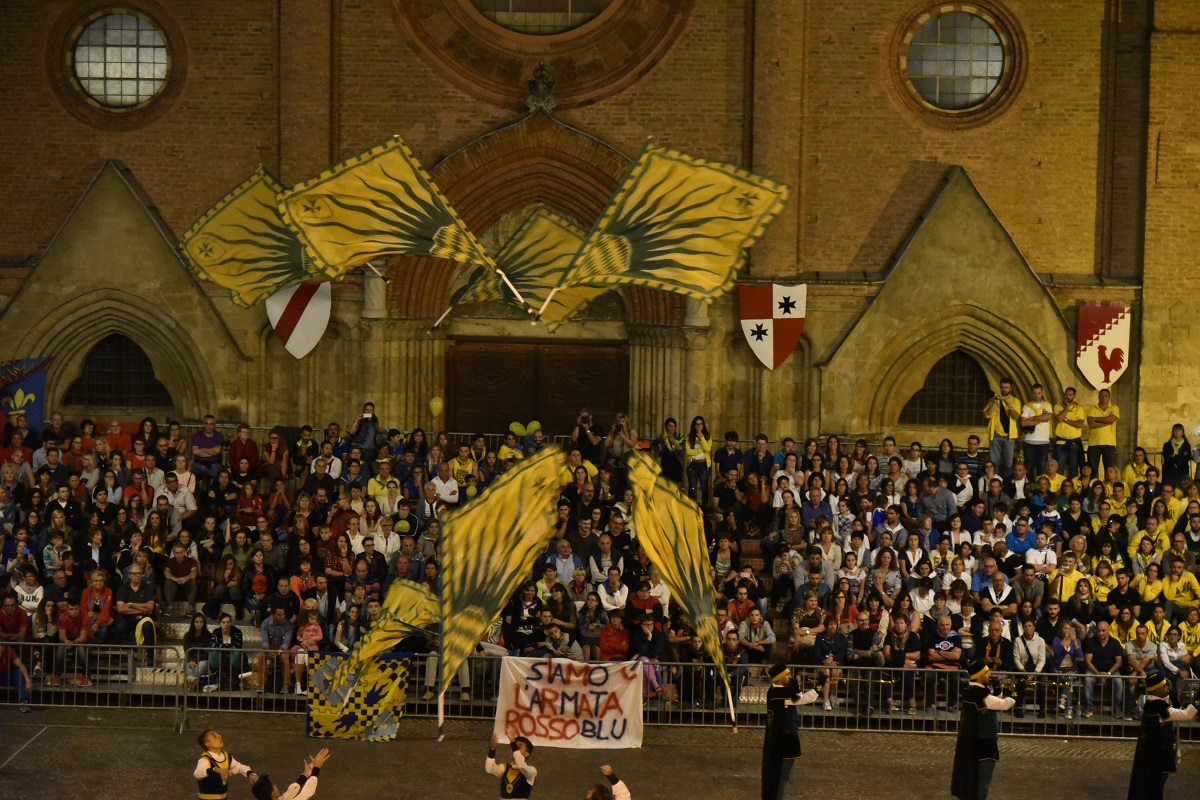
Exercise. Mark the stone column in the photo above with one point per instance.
(374, 295)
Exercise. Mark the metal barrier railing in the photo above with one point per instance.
(851, 698)
(98, 676)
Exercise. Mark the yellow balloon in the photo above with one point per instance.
(403, 526)
(533, 426)
(472, 491)
(436, 406)
(517, 429)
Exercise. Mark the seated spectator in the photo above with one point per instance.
(591, 621)
(286, 599)
(758, 637)
(943, 655)
(650, 647)
(135, 609)
(559, 644)
(97, 605)
(614, 639)
(180, 577)
(613, 593)
(1068, 661)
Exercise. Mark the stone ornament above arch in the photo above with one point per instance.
(588, 63)
(538, 159)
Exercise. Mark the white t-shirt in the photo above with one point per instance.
(1039, 433)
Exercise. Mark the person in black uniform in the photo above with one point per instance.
(977, 750)
(1154, 759)
(516, 779)
(781, 745)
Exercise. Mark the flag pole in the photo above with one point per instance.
(729, 700)
(440, 319)
(511, 288)
(441, 737)
(549, 297)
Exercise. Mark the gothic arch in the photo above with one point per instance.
(79, 324)
(1001, 348)
(538, 159)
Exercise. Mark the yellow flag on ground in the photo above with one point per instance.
(669, 526)
(381, 202)
(408, 609)
(488, 546)
(678, 223)
(242, 243)
(535, 259)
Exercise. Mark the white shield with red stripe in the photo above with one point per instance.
(299, 315)
(773, 319)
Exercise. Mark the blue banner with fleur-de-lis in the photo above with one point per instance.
(23, 390)
(369, 709)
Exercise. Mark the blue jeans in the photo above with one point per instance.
(1035, 459)
(1069, 453)
(699, 477)
(1001, 453)
(1114, 685)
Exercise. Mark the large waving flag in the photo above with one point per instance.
(535, 259)
(242, 244)
(408, 609)
(670, 528)
(678, 223)
(378, 203)
(488, 546)
(23, 390)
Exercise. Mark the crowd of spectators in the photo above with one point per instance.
(1045, 559)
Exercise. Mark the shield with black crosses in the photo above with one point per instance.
(773, 319)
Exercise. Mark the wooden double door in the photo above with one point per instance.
(491, 384)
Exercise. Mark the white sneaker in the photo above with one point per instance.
(211, 687)
(428, 695)
(466, 696)
(828, 707)
(246, 675)
(298, 689)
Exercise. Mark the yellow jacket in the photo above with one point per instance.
(1132, 474)
(1184, 592)
(703, 447)
(995, 428)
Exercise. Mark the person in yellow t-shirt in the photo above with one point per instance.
(1003, 412)
(1180, 590)
(697, 454)
(1054, 478)
(462, 465)
(1158, 625)
(1191, 631)
(1069, 421)
(1135, 470)
(1102, 431)
(1064, 579)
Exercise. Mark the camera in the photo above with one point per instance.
(586, 419)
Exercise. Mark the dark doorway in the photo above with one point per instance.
(491, 384)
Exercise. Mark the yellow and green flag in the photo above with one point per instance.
(242, 243)
(535, 259)
(488, 546)
(678, 223)
(381, 202)
(670, 528)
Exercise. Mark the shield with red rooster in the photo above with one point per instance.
(1102, 342)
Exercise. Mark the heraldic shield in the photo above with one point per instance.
(1102, 342)
(773, 319)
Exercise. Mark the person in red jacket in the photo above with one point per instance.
(614, 639)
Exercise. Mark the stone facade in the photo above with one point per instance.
(1083, 184)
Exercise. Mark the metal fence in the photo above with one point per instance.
(849, 698)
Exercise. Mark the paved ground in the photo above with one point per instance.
(108, 753)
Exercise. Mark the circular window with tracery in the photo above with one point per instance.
(960, 61)
(541, 17)
(120, 61)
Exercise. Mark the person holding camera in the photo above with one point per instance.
(588, 436)
(1003, 412)
(620, 440)
(364, 431)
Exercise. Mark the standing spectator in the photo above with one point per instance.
(1003, 413)
(1029, 657)
(943, 656)
(1102, 434)
(1036, 418)
(1176, 457)
(277, 634)
(698, 456)
(243, 446)
(13, 673)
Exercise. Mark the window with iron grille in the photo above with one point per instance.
(118, 373)
(954, 393)
(541, 17)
